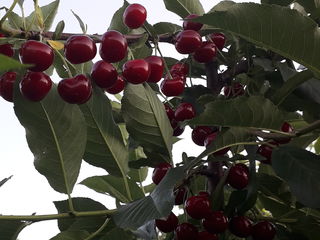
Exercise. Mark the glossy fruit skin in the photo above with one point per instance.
(104, 74)
(37, 53)
(184, 111)
(80, 49)
(76, 90)
(205, 53)
(199, 134)
(263, 230)
(136, 71)
(238, 177)
(186, 231)
(134, 16)
(172, 87)
(6, 85)
(235, 90)
(113, 47)
(180, 68)
(180, 196)
(209, 140)
(117, 87)
(240, 226)
(156, 68)
(204, 194)
(198, 207)
(187, 25)
(177, 131)
(188, 41)
(160, 171)
(169, 111)
(286, 127)
(204, 235)
(35, 86)
(266, 151)
(219, 39)
(216, 222)
(167, 225)
(6, 49)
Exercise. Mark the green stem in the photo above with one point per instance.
(8, 12)
(103, 226)
(65, 63)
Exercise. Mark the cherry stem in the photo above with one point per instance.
(65, 63)
(103, 226)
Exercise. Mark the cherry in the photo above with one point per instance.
(76, 90)
(235, 90)
(240, 226)
(113, 47)
(216, 222)
(134, 16)
(156, 68)
(104, 74)
(219, 39)
(172, 87)
(187, 25)
(205, 53)
(168, 224)
(35, 86)
(184, 111)
(79, 49)
(238, 176)
(204, 194)
(6, 85)
(204, 235)
(180, 196)
(188, 41)
(209, 140)
(266, 151)
(117, 87)
(263, 230)
(160, 171)
(199, 134)
(286, 127)
(6, 49)
(136, 71)
(177, 131)
(169, 111)
(186, 231)
(180, 68)
(198, 207)
(38, 54)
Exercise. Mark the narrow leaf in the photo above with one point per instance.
(166, 27)
(184, 7)
(8, 63)
(3, 181)
(81, 23)
(59, 29)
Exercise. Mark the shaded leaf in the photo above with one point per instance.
(8, 63)
(10, 229)
(166, 27)
(71, 235)
(117, 22)
(184, 7)
(118, 233)
(222, 6)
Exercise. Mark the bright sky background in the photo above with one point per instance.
(28, 192)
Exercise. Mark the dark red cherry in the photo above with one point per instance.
(204, 194)
(156, 68)
(209, 140)
(35, 86)
(172, 87)
(134, 16)
(136, 71)
(160, 171)
(6, 49)
(104, 74)
(80, 49)
(206, 53)
(188, 41)
(169, 111)
(177, 131)
(168, 224)
(286, 127)
(186, 231)
(198, 207)
(184, 111)
(240, 226)
(266, 151)
(113, 47)
(236, 89)
(38, 54)
(199, 134)
(216, 222)
(6, 85)
(238, 176)
(180, 68)
(188, 25)
(180, 195)
(117, 87)
(218, 39)
(76, 90)
(263, 230)
(207, 236)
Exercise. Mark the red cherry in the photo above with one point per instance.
(160, 171)
(136, 71)
(113, 47)
(240, 226)
(35, 86)
(172, 87)
(238, 177)
(180, 196)
(204, 194)
(200, 133)
(6, 49)
(180, 67)
(76, 90)
(209, 140)
(168, 224)
(263, 230)
(205, 53)
(38, 54)
(266, 151)
(286, 127)
(104, 74)
(198, 207)
(79, 49)
(235, 90)
(184, 111)
(207, 236)
(169, 111)
(187, 25)
(156, 68)
(186, 231)
(216, 222)
(177, 131)
(134, 16)
(117, 87)
(6, 85)
(219, 39)
(188, 41)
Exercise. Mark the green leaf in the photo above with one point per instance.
(117, 22)
(184, 8)
(3, 181)
(15, 20)
(118, 233)
(59, 30)
(222, 6)
(81, 23)
(301, 169)
(281, 3)
(56, 135)
(10, 229)
(146, 119)
(8, 63)
(166, 27)
(317, 146)
(71, 235)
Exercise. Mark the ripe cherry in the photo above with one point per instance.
(238, 176)
(205, 53)
(113, 47)
(134, 16)
(6, 85)
(263, 230)
(240, 226)
(286, 127)
(200, 133)
(177, 131)
(6, 49)
(266, 151)
(198, 207)
(180, 68)
(79, 49)
(184, 111)
(188, 41)
(216, 222)
(204, 194)
(136, 71)
(172, 87)
(236, 89)
(168, 224)
(204, 235)
(160, 171)
(186, 231)
(104, 74)
(117, 87)
(76, 90)
(38, 54)
(35, 86)
(210, 138)
(180, 195)
(188, 25)
(219, 39)
(169, 111)
(156, 68)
